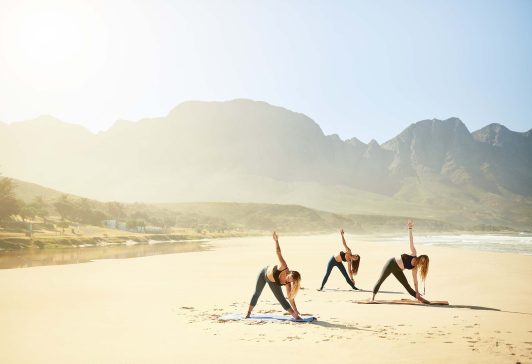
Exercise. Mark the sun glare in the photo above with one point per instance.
(54, 47)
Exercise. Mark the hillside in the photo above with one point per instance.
(247, 151)
(242, 217)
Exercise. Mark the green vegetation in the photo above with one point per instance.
(9, 205)
(54, 220)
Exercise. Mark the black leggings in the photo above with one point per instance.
(276, 289)
(392, 267)
(333, 263)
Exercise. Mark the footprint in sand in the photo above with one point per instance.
(292, 338)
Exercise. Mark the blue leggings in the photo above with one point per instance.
(276, 289)
(333, 263)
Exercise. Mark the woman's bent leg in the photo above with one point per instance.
(346, 276)
(402, 279)
(386, 271)
(261, 282)
(330, 266)
(278, 293)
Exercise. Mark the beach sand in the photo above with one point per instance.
(165, 309)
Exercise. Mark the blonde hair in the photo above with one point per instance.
(355, 264)
(423, 264)
(295, 284)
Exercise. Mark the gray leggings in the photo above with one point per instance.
(392, 267)
(276, 289)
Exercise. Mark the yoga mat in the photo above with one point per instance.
(404, 301)
(264, 317)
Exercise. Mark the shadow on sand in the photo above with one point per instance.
(480, 308)
(330, 325)
(468, 307)
(359, 290)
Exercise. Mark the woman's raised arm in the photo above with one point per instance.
(282, 262)
(411, 237)
(343, 241)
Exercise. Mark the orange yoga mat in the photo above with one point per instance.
(404, 301)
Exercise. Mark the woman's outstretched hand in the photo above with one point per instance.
(275, 237)
(410, 224)
(342, 232)
(421, 299)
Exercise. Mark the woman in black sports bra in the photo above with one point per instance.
(353, 262)
(412, 262)
(277, 276)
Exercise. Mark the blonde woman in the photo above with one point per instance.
(412, 262)
(277, 276)
(353, 262)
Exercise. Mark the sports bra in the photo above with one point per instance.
(407, 260)
(342, 255)
(276, 274)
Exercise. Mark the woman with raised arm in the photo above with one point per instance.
(412, 262)
(353, 261)
(277, 276)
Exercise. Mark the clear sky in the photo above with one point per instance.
(358, 68)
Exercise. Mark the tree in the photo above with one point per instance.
(135, 225)
(64, 207)
(40, 207)
(9, 205)
(27, 211)
(116, 210)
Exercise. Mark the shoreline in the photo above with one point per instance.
(17, 241)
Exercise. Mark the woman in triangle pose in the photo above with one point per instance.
(353, 262)
(277, 276)
(411, 262)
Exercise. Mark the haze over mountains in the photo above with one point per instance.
(248, 151)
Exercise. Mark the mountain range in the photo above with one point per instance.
(250, 151)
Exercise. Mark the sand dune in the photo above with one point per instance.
(165, 309)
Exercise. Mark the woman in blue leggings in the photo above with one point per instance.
(353, 261)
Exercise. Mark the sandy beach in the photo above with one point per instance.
(165, 309)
